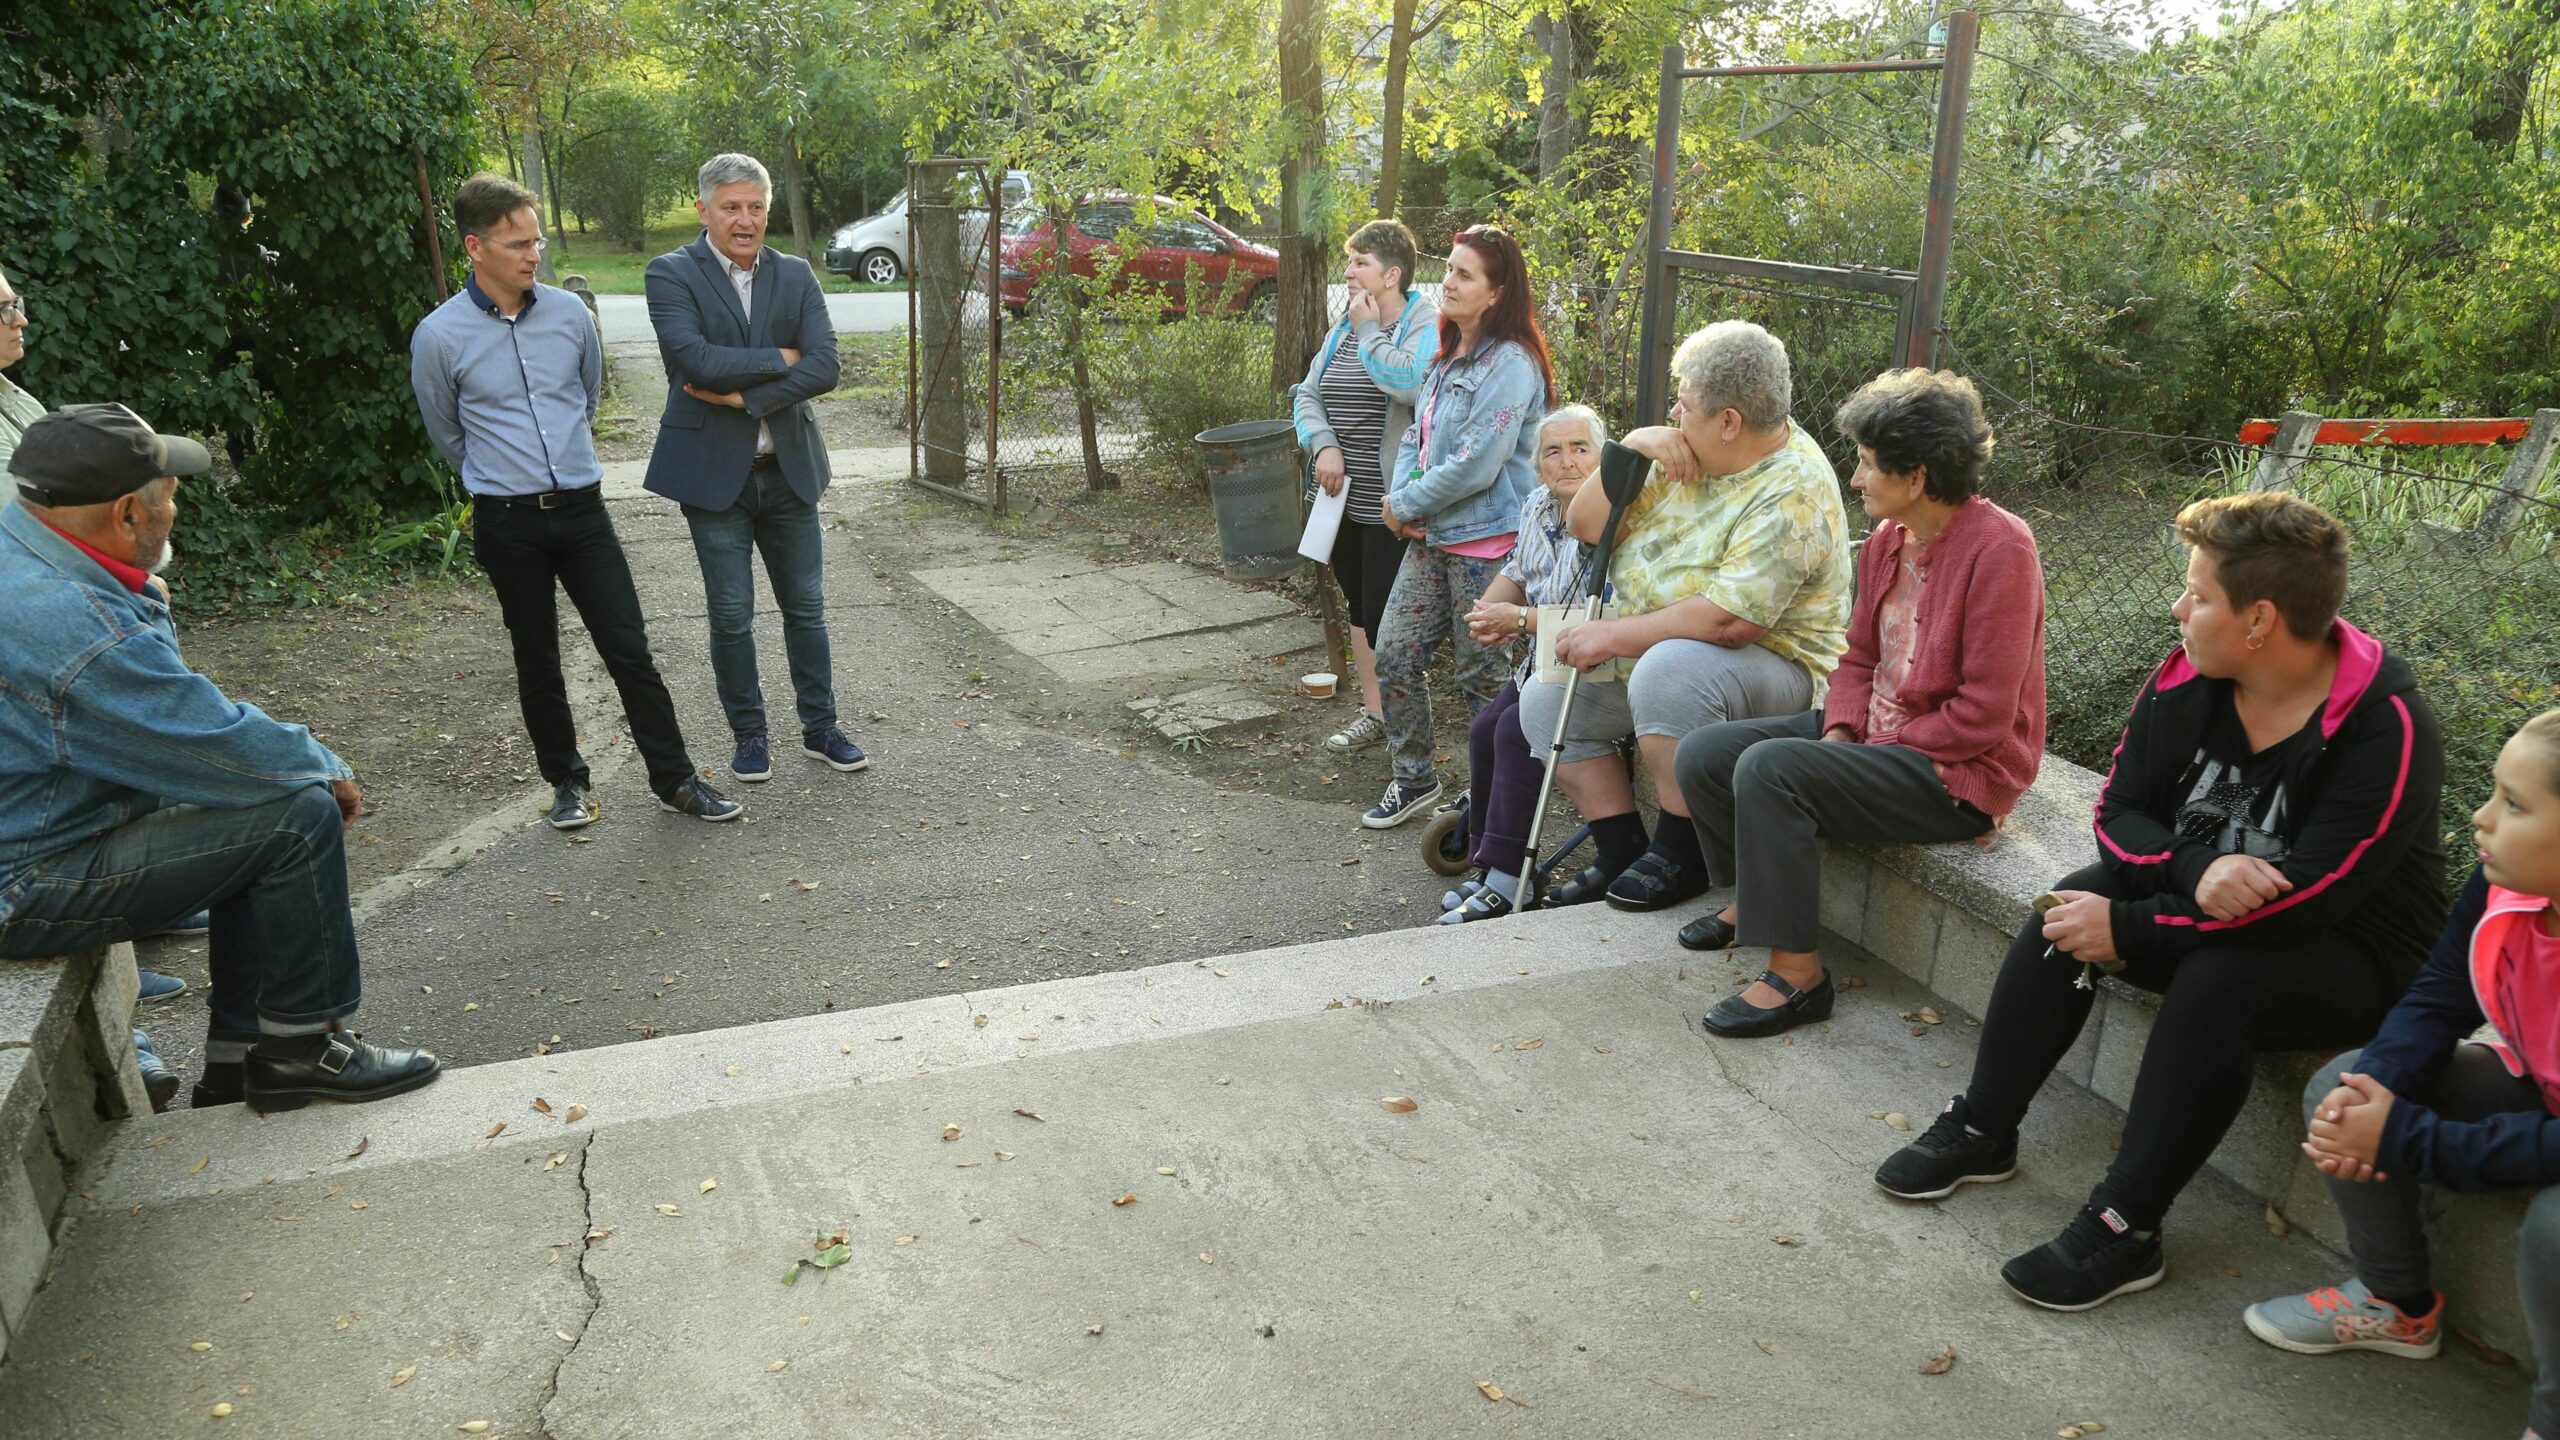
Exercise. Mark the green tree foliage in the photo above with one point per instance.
(118, 119)
(628, 159)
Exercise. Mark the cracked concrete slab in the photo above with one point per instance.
(1097, 624)
(1583, 1208)
(1197, 712)
(314, 1292)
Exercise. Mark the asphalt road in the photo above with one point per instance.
(626, 317)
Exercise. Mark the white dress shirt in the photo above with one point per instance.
(745, 280)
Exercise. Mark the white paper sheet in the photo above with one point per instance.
(1324, 522)
(1553, 621)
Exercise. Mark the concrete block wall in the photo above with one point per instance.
(1945, 916)
(67, 1073)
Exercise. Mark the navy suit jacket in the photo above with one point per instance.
(707, 340)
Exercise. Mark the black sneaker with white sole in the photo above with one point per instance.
(1947, 1157)
(1402, 802)
(2097, 1257)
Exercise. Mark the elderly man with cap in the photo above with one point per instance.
(132, 791)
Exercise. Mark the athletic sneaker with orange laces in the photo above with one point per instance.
(2346, 1317)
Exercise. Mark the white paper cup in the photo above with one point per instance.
(1319, 683)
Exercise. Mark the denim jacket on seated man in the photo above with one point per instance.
(1471, 456)
(102, 723)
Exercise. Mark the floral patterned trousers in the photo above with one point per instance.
(1434, 591)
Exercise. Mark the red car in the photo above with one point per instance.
(1161, 255)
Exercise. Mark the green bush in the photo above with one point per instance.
(117, 120)
(628, 161)
(1175, 379)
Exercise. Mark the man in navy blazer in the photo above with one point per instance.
(747, 344)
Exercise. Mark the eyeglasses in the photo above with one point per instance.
(13, 311)
(534, 246)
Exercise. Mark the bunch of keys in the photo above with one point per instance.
(2088, 968)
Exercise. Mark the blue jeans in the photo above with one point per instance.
(767, 518)
(275, 878)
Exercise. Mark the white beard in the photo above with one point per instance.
(162, 563)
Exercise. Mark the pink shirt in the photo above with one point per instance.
(1491, 547)
(2528, 982)
(1897, 636)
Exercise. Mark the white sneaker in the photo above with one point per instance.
(1360, 734)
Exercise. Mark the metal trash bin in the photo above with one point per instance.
(1255, 477)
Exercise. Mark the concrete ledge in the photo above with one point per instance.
(67, 1073)
(1945, 915)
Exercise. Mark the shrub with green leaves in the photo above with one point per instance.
(118, 119)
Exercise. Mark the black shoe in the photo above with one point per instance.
(1738, 1019)
(287, 1074)
(221, 1085)
(2096, 1258)
(1707, 932)
(1657, 882)
(573, 807)
(1948, 1156)
(1591, 884)
(700, 801)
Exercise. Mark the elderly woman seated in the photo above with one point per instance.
(1544, 569)
(1732, 596)
(1935, 722)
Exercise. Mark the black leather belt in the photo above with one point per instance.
(766, 462)
(543, 499)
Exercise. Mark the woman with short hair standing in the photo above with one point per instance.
(1351, 413)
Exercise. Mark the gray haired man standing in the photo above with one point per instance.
(747, 343)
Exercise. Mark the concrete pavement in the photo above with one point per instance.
(1624, 1228)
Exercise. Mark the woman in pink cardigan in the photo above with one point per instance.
(1935, 720)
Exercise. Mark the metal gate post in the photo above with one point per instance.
(1653, 368)
(1937, 234)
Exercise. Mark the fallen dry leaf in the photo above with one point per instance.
(1004, 1154)
(201, 1346)
(361, 1146)
(2083, 1428)
(541, 1104)
(776, 1367)
(2277, 1225)
(669, 1210)
(1528, 1044)
(1126, 1200)
(1032, 1115)
(1785, 1240)
(1093, 1329)
(1398, 1104)
(359, 1204)
(1208, 1259)
(401, 1376)
(950, 1132)
(904, 1240)
(708, 1185)
(495, 1131)
(1940, 1363)
(1491, 1390)
(222, 1411)
(733, 1072)
(1929, 1015)
(576, 1114)
(198, 1167)
(2481, 1350)
(1897, 1120)
(555, 1159)
(980, 1022)
(473, 1427)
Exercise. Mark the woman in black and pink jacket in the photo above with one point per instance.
(2269, 864)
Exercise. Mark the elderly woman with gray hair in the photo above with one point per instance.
(1731, 588)
(1544, 568)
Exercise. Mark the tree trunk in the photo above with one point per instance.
(1302, 267)
(534, 181)
(1391, 108)
(551, 166)
(1557, 139)
(795, 192)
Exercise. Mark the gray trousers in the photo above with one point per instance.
(2388, 1239)
(1674, 687)
(1762, 792)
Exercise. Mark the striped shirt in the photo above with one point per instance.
(1357, 409)
(1545, 562)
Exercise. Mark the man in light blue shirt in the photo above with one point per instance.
(507, 375)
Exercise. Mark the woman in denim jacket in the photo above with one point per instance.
(1460, 477)
(1352, 411)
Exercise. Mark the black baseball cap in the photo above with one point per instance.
(91, 454)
